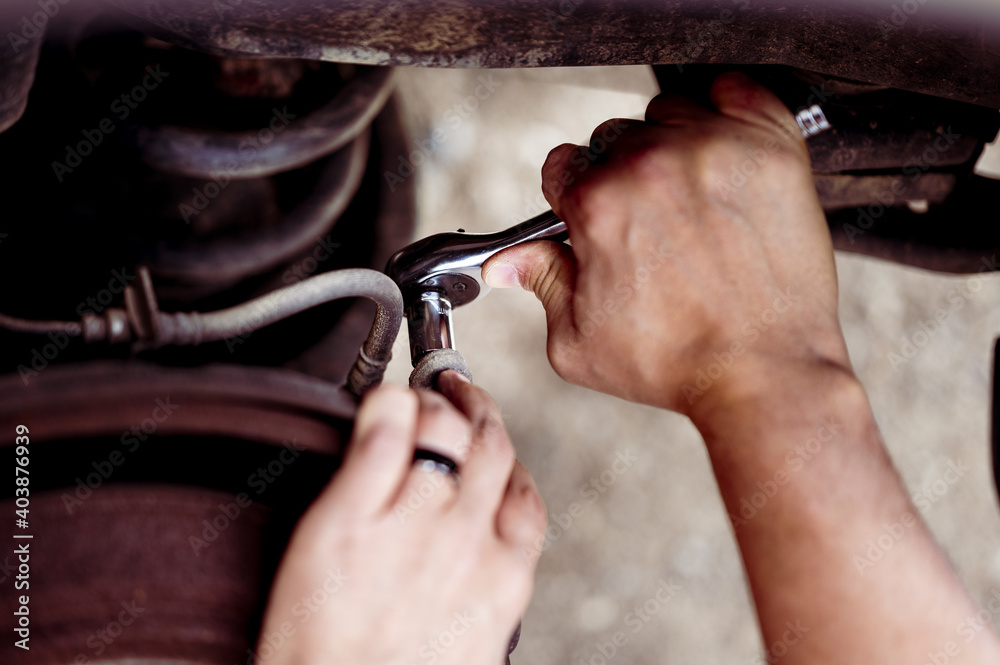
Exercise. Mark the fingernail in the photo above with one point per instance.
(452, 375)
(448, 381)
(502, 276)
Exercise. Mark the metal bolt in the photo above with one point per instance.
(459, 286)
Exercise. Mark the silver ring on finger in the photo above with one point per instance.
(433, 462)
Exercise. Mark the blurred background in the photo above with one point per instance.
(476, 161)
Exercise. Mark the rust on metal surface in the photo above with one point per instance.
(852, 40)
(120, 580)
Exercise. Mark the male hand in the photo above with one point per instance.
(395, 563)
(701, 279)
(700, 255)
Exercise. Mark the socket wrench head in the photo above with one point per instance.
(444, 271)
(435, 275)
(428, 321)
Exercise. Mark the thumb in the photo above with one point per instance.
(547, 269)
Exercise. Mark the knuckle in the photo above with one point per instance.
(563, 357)
(492, 430)
(607, 132)
(791, 159)
(437, 409)
(651, 165)
(579, 198)
(500, 446)
(593, 202)
(535, 508)
(655, 104)
(721, 147)
(488, 429)
(431, 407)
(555, 154)
(482, 407)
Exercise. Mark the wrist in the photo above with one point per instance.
(772, 395)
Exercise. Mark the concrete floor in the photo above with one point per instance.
(477, 163)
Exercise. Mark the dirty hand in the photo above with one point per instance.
(395, 563)
(700, 257)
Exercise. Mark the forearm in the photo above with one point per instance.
(841, 567)
(731, 330)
